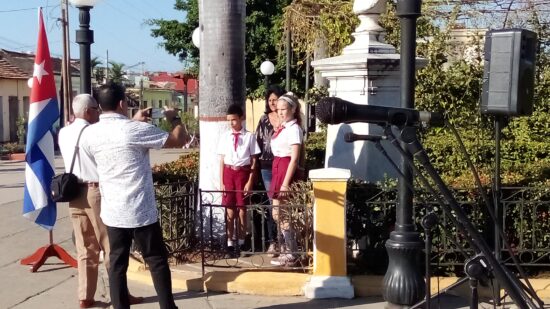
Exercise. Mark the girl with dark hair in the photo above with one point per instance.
(266, 126)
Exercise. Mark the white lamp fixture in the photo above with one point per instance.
(84, 2)
(267, 68)
(196, 37)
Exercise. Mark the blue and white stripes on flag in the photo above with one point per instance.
(43, 113)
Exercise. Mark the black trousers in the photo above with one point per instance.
(149, 241)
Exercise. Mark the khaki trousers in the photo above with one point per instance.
(90, 238)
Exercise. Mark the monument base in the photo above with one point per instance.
(329, 287)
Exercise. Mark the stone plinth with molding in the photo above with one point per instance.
(367, 72)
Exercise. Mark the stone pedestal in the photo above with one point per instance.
(367, 72)
(329, 278)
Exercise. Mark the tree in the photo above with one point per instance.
(263, 39)
(221, 84)
(116, 71)
(329, 20)
(97, 71)
(455, 88)
(176, 34)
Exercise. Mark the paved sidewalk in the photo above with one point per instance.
(54, 285)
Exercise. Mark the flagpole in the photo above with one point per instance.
(43, 113)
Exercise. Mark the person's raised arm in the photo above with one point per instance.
(178, 136)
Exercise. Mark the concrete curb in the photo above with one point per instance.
(273, 283)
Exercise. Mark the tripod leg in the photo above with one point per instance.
(475, 295)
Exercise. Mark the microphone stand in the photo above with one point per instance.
(428, 222)
(510, 283)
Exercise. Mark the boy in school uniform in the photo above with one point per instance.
(238, 150)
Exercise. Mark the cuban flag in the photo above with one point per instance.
(43, 113)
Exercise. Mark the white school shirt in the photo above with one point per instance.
(247, 146)
(84, 165)
(290, 135)
(120, 148)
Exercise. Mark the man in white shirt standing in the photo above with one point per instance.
(90, 232)
(120, 149)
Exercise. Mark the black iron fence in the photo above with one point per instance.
(196, 231)
(525, 220)
(177, 204)
(278, 236)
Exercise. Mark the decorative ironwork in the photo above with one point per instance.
(177, 204)
(526, 222)
(295, 216)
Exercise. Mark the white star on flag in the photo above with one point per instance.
(39, 71)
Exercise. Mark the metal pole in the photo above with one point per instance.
(65, 108)
(496, 196)
(404, 283)
(84, 38)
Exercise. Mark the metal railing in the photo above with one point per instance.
(526, 222)
(177, 204)
(295, 219)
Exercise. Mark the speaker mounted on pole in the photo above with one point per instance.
(509, 72)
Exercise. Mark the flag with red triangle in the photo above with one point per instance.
(43, 113)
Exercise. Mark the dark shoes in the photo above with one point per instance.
(134, 300)
(87, 303)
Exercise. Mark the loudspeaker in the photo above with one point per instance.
(509, 72)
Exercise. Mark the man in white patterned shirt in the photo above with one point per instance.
(120, 148)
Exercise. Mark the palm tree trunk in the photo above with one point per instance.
(222, 83)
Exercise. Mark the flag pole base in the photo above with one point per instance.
(40, 256)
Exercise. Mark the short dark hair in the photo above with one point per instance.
(235, 109)
(109, 95)
(273, 89)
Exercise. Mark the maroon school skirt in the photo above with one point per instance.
(280, 165)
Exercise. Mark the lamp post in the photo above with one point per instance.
(267, 68)
(85, 38)
(196, 37)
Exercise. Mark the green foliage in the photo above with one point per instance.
(453, 86)
(21, 129)
(315, 149)
(9, 148)
(98, 72)
(186, 168)
(116, 72)
(190, 123)
(312, 21)
(177, 35)
(165, 125)
(263, 37)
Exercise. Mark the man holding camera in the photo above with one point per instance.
(89, 231)
(120, 148)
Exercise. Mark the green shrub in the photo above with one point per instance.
(185, 168)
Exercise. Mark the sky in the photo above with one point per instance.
(118, 27)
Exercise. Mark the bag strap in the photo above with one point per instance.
(76, 149)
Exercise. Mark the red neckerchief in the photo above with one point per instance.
(278, 131)
(235, 139)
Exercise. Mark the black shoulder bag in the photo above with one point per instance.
(65, 186)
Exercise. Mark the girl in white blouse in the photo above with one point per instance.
(286, 143)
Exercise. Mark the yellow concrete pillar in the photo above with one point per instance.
(329, 278)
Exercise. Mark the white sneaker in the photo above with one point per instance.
(288, 260)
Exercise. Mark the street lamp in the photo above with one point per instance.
(85, 38)
(196, 37)
(267, 68)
